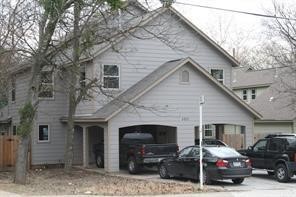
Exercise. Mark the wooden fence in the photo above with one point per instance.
(8, 150)
(236, 141)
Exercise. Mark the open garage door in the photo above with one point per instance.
(161, 134)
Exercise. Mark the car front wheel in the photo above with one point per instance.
(281, 173)
(238, 181)
(99, 161)
(163, 172)
(132, 165)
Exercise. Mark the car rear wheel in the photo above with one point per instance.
(132, 165)
(99, 161)
(163, 172)
(281, 173)
(238, 181)
(206, 179)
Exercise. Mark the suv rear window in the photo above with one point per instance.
(292, 142)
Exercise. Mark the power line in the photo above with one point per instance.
(236, 11)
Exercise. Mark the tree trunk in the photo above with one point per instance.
(72, 89)
(22, 160)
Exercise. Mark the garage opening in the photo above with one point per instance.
(232, 135)
(161, 134)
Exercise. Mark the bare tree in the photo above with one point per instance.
(281, 48)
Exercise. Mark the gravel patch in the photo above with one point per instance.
(80, 182)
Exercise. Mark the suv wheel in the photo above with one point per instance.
(163, 172)
(281, 173)
(132, 165)
(99, 161)
(238, 181)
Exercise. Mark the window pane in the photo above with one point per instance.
(185, 152)
(208, 133)
(260, 146)
(111, 82)
(46, 77)
(46, 91)
(217, 73)
(111, 70)
(43, 133)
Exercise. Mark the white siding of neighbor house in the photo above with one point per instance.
(139, 57)
(272, 127)
(175, 104)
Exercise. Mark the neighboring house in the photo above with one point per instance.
(264, 91)
(163, 83)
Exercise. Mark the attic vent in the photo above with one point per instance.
(184, 76)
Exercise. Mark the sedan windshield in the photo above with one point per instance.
(223, 152)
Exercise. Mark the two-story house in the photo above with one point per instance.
(157, 88)
(264, 90)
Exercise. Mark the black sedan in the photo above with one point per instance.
(219, 163)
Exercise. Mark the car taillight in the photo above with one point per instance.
(142, 150)
(221, 163)
(248, 163)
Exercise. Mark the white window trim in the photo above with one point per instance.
(119, 77)
(181, 77)
(223, 80)
(53, 92)
(43, 141)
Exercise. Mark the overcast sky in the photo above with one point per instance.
(207, 19)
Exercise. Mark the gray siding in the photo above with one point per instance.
(173, 104)
(139, 57)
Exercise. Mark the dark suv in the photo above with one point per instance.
(276, 154)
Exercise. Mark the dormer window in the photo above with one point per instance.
(218, 74)
(111, 76)
(184, 77)
(46, 85)
(253, 94)
(245, 94)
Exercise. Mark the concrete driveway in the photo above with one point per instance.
(259, 181)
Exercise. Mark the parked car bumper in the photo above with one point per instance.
(230, 173)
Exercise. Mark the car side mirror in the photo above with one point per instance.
(250, 148)
(176, 154)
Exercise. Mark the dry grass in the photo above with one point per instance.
(55, 181)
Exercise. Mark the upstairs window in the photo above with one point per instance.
(184, 77)
(111, 76)
(82, 78)
(46, 86)
(245, 94)
(13, 89)
(253, 94)
(218, 74)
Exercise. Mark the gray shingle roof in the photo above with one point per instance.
(273, 105)
(243, 78)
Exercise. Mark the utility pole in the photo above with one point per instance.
(201, 102)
